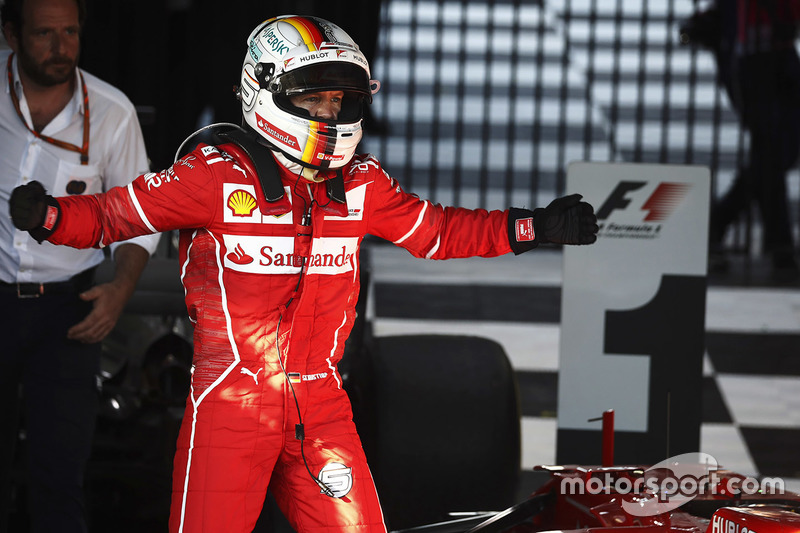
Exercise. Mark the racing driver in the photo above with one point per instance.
(271, 216)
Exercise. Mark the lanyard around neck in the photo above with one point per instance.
(83, 150)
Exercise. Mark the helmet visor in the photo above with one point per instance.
(351, 110)
(335, 76)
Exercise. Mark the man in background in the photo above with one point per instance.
(77, 135)
(754, 47)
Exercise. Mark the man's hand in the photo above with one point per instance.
(34, 211)
(109, 300)
(567, 220)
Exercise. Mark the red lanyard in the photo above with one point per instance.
(83, 150)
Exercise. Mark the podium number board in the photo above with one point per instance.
(633, 313)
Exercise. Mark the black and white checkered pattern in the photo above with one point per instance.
(460, 82)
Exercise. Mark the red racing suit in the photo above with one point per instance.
(266, 293)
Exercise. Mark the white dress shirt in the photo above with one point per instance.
(116, 156)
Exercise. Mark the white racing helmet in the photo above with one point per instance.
(292, 55)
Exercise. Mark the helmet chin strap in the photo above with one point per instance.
(312, 175)
(307, 173)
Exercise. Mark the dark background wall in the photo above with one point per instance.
(175, 59)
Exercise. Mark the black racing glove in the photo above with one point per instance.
(34, 211)
(567, 220)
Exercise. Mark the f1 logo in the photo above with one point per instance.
(617, 199)
(659, 205)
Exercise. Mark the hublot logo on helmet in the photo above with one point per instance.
(311, 57)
